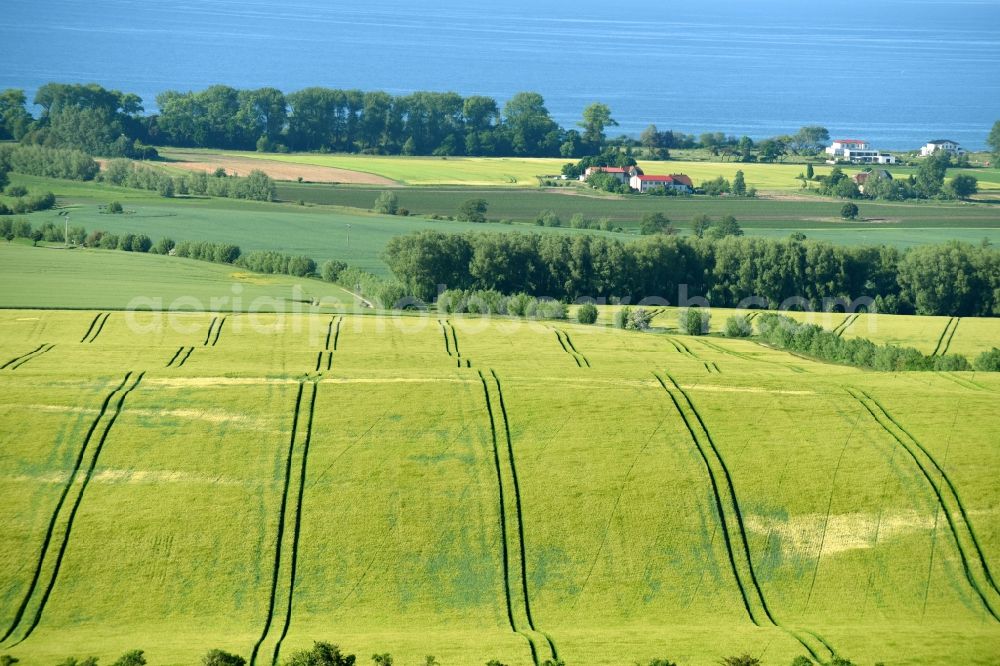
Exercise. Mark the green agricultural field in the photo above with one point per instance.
(479, 490)
(52, 277)
(900, 224)
(498, 171)
(509, 171)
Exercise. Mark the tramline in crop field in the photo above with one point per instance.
(479, 489)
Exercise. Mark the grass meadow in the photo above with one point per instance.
(479, 489)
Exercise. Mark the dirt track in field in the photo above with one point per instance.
(275, 169)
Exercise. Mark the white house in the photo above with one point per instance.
(621, 174)
(841, 146)
(947, 145)
(676, 181)
(857, 152)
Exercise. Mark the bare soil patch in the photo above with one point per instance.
(275, 169)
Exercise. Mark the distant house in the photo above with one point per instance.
(856, 151)
(622, 174)
(946, 145)
(677, 181)
(863, 177)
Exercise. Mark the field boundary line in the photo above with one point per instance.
(123, 393)
(281, 528)
(298, 522)
(62, 498)
(874, 409)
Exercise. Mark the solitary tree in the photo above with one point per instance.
(700, 224)
(473, 210)
(727, 226)
(739, 184)
(596, 118)
(587, 314)
(963, 186)
(849, 211)
(993, 141)
(810, 172)
(653, 223)
(387, 203)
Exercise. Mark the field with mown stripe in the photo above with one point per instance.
(480, 489)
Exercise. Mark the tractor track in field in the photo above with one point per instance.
(324, 359)
(567, 346)
(180, 357)
(682, 348)
(121, 392)
(284, 551)
(446, 328)
(974, 564)
(18, 361)
(520, 606)
(844, 325)
(735, 536)
(944, 340)
(333, 333)
(214, 331)
(298, 522)
(95, 328)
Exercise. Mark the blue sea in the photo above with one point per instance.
(895, 72)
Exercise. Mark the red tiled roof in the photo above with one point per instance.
(681, 178)
(674, 178)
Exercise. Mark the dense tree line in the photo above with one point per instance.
(786, 333)
(257, 186)
(325, 119)
(490, 302)
(87, 117)
(956, 279)
(65, 163)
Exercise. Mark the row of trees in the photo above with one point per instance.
(68, 164)
(86, 117)
(786, 333)
(257, 186)
(956, 279)
(489, 301)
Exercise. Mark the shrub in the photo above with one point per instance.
(548, 218)
(741, 660)
(131, 658)
(802, 660)
(384, 659)
(952, 363)
(988, 361)
(331, 270)
(115, 208)
(162, 246)
(321, 654)
(587, 314)
(849, 211)
(387, 203)
(621, 318)
(473, 210)
(221, 658)
(16, 191)
(71, 661)
(639, 319)
(693, 321)
(659, 662)
(8, 660)
(653, 223)
(141, 243)
(738, 326)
